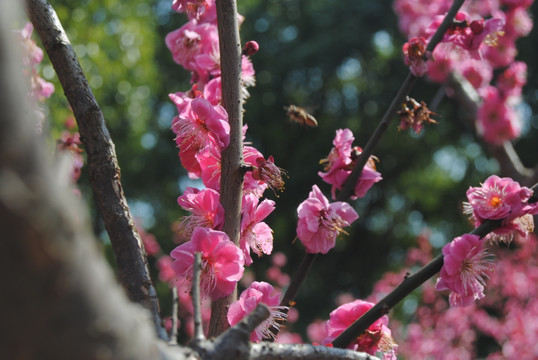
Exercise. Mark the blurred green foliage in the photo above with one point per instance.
(339, 59)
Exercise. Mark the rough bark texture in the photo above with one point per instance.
(60, 299)
(103, 169)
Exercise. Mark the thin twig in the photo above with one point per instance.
(175, 311)
(406, 87)
(196, 300)
(347, 189)
(231, 183)
(103, 169)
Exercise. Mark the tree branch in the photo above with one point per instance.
(231, 183)
(103, 169)
(406, 87)
(349, 185)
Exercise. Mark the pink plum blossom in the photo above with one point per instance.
(340, 162)
(497, 120)
(255, 234)
(267, 172)
(502, 198)
(259, 292)
(416, 56)
(377, 338)
(201, 123)
(511, 81)
(469, 35)
(205, 208)
(320, 222)
(195, 47)
(465, 267)
(222, 261)
(193, 8)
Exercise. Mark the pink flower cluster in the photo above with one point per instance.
(480, 40)
(202, 133)
(340, 163)
(465, 266)
(320, 222)
(505, 319)
(502, 198)
(222, 261)
(259, 292)
(377, 338)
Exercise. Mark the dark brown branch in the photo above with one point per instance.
(231, 183)
(406, 87)
(349, 185)
(103, 169)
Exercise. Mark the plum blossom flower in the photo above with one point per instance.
(259, 292)
(201, 123)
(222, 261)
(512, 80)
(320, 222)
(255, 234)
(502, 198)
(377, 338)
(416, 56)
(340, 163)
(497, 121)
(466, 265)
(205, 207)
(469, 35)
(267, 172)
(193, 8)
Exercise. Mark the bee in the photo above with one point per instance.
(300, 116)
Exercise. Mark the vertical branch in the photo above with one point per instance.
(103, 168)
(175, 314)
(196, 301)
(231, 183)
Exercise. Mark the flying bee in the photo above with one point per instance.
(300, 116)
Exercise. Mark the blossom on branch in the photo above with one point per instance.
(466, 265)
(502, 198)
(340, 163)
(222, 262)
(205, 207)
(320, 222)
(255, 234)
(259, 292)
(416, 56)
(377, 338)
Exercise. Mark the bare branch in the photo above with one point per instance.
(347, 189)
(175, 311)
(270, 351)
(196, 301)
(103, 169)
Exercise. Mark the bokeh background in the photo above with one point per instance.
(342, 61)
